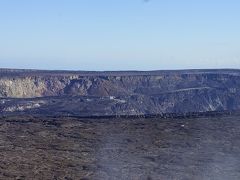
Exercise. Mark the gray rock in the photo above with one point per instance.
(135, 93)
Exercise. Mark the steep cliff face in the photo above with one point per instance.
(109, 93)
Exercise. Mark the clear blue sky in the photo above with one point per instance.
(119, 34)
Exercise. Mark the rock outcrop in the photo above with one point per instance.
(118, 93)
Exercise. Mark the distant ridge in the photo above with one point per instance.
(4, 71)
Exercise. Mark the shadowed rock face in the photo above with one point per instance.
(121, 93)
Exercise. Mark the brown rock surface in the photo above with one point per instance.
(121, 149)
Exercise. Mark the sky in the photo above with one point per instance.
(119, 34)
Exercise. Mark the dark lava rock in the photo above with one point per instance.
(118, 93)
(121, 149)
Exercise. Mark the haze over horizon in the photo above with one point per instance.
(119, 35)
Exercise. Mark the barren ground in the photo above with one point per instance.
(72, 148)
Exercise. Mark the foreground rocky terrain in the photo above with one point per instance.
(120, 149)
(93, 125)
(118, 93)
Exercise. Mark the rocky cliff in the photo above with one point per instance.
(118, 93)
